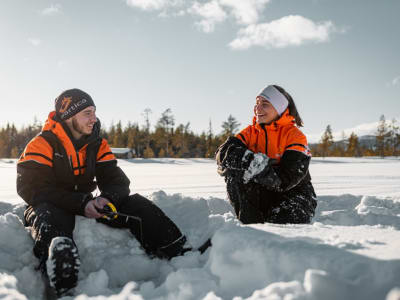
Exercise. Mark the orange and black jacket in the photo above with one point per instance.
(57, 169)
(281, 141)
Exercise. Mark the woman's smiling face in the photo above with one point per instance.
(264, 111)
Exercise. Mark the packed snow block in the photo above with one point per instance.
(193, 222)
(246, 259)
(17, 262)
(280, 290)
(115, 251)
(218, 206)
(8, 288)
(95, 283)
(349, 210)
(319, 284)
(5, 207)
(379, 206)
(14, 242)
(341, 202)
(189, 284)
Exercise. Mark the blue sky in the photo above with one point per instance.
(203, 59)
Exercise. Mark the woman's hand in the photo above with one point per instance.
(90, 209)
(232, 157)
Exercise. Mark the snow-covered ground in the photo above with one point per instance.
(350, 251)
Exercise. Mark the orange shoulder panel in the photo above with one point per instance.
(104, 153)
(245, 135)
(38, 150)
(297, 141)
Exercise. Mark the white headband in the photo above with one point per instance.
(276, 98)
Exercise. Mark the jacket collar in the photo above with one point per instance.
(284, 120)
(54, 125)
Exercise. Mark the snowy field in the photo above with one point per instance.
(350, 251)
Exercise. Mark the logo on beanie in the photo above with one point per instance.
(65, 103)
(74, 108)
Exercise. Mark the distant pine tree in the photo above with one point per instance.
(148, 153)
(326, 142)
(394, 137)
(230, 126)
(353, 148)
(381, 135)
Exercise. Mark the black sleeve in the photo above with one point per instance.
(36, 184)
(112, 181)
(233, 157)
(292, 169)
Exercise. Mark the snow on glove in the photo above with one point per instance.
(268, 177)
(258, 163)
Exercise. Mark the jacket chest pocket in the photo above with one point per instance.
(62, 167)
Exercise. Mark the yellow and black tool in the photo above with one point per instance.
(109, 211)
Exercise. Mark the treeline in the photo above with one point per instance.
(163, 140)
(13, 141)
(385, 142)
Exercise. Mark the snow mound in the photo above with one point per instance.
(349, 210)
(262, 261)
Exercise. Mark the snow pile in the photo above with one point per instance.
(247, 262)
(350, 251)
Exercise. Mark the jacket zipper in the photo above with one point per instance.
(72, 169)
(79, 163)
(266, 139)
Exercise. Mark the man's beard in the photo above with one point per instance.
(78, 128)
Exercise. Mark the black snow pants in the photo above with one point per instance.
(157, 234)
(253, 203)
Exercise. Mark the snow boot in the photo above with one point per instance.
(63, 266)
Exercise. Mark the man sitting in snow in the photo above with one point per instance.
(56, 177)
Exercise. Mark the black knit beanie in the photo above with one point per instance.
(70, 102)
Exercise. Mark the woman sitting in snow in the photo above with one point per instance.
(266, 165)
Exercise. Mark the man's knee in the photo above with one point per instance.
(141, 206)
(50, 214)
(47, 222)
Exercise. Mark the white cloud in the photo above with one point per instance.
(34, 41)
(154, 4)
(287, 31)
(245, 12)
(292, 30)
(396, 81)
(211, 12)
(62, 64)
(217, 11)
(54, 9)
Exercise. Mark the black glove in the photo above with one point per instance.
(268, 177)
(233, 157)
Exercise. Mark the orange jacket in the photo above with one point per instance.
(54, 169)
(274, 139)
(40, 151)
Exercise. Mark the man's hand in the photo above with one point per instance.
(90, 209)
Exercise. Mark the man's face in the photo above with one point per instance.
(83, 121)
(264, 111)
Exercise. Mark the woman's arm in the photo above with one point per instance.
(293, 168)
